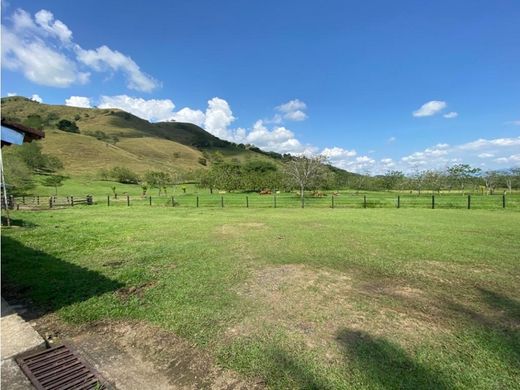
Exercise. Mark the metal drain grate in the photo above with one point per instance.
(59, 368)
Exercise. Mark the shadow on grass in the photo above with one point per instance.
(17, 222)
(498, 327)
(46, 282)
(385, 363)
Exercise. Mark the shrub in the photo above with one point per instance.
(203, 161)
(66, 125)
(124, 175)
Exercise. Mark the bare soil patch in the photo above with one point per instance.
(133, 354)
(313, 305)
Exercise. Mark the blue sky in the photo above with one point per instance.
(374, 85)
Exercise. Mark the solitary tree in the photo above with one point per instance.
(461, 173)
(306, 172)
(53, 181)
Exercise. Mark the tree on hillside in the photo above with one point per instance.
(53, 181)
(31, 154)
(461, 173)
(124, 175)
(18, 175)
(305, 172)
(66, 125)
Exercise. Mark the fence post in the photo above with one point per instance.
(503, 201)
(90, 200)
(364, 201)
(38, 200)
(173, 201)
(221, 201)
(23, 199)
(150, 199)
(398, 201)
(332, 201)
(128, 200)
(50, 202)
(433, 201)
(197, 201)
(274, 198)
(72, 201)
(469, 201)
(247, 201)
(108, 200)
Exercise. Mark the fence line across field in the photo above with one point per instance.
(274, 201)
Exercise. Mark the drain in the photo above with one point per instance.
(59, 368)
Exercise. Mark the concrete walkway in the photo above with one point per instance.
(17, 337)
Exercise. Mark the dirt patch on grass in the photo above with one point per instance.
(126, 293)
(157, 358)
(237, 229)
(312, 305)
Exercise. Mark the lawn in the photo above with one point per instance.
(315, 298)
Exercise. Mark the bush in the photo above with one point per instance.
(66, 125)
(203, 161)
(124, 175)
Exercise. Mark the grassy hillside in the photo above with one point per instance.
(112, 137)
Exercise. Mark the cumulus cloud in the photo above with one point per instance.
(12, 94)
(218, 118)
(53, 27)
(104, 58)
(189, 115)
(78, 101)
(451, 115)
(151, 110)
(503, 150)
(278, 139)
(36, 98)
(39, 62)
(430, 108)
(42, 49)
(293, 110)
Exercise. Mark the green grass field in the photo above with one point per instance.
(314, 298)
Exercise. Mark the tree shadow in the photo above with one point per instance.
(46, 282)
(498, 327)
(387, 364)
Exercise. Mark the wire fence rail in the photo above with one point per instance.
(439, 201)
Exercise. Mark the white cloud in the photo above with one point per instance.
(513, 160)
(42, 49)
(36, 98)
(188, 115)
(336, 153)
(279, 139)
(39, 62)
(12, 94)
(486, 143)
(56, 28)
(451, 115)
(104, 58)
(503, 150)
(430, 108)
(78, 101)
(293, 110)
(151, 110)
(391, 140)
(218, 118)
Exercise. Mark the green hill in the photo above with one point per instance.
(92, 139)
